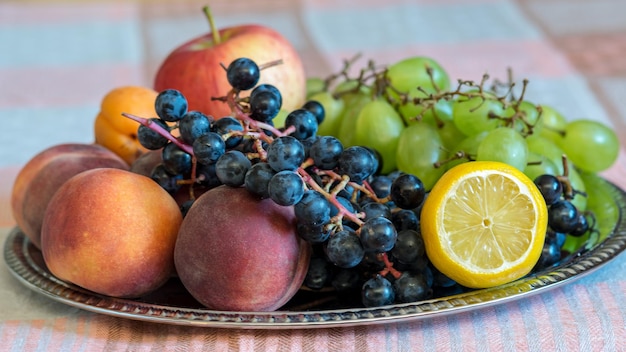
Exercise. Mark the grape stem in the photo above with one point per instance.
(331, 197)
(160, 130)
(389, 269)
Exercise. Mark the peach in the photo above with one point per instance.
(236, 252)
(112, 232)
(41, 177)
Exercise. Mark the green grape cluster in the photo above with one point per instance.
(420, 123)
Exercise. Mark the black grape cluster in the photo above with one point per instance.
(563, 217)
(363, 226)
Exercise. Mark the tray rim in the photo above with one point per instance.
(38, 279)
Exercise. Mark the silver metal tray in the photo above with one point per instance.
(173, 305)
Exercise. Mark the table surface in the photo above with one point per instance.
(57, 60)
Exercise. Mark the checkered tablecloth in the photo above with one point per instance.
(58, 58)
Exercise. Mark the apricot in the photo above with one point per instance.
(236, 252)
(43, 175)
(117, 132)
(112, 232)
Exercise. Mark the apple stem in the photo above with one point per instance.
(216, 34)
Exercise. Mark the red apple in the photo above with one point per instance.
(195, 68)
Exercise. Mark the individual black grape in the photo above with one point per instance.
(407, 191)
(550, 254)
(313, 233)
(165, 179)
(581, 227)
(243, 74)
(227, 125)
(325, 152)
(317, 109)
(375, 209)
(149, 138)
(409, 247)
(176, 160)
(304, 122)
(286, 188)
(345, 279)
(377, 292)
(170, 105)
(207, 175)
(440, 279)
(562, 216)
(285, 153)
(318, 274)
(307, 143)
(405, 219)
(550, 188)
(184, 208)
(231, 168)
(265, 102)
(357, 162)
(345, 203)
(378, 160)
(378, 235)
(559, 237)
(372, 263)
(411, 287)
(344, 249)
(312, 209)
(381, 185)
(257, 179)
(193, 125)
(208, 148)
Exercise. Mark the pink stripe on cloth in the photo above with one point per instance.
(339, 4)
(42, 13)
(492, 330)
(569, 326)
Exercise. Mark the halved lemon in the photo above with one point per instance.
(484, 224)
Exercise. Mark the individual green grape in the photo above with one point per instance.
(346, 89)
(590, 145)
(279, 119)
(314, 85)
(419, 148)
(471, 115)
(505, 145)
(441, 111)
(379, 126)
(601, 203)
(332, 113)
(353, 102)
(450, 135)
(546, 147)
(552, 123)
(527, 119)
(539, 165)
(468, 146)
(410, 76)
